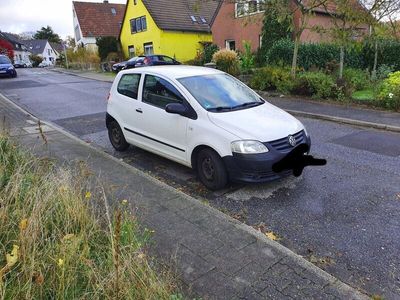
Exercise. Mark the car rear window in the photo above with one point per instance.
(129, 85)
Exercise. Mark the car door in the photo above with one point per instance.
(163, 132)
(127, 104)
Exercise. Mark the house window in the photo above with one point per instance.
(131, 51)
(230, 45)
(77, 33)
(148, 48)
(248, 7)
(49, 52)
(138, 24)
(134, 2)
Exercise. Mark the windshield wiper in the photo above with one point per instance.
(220, 108)
(248, 104)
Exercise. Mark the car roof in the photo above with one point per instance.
(175, 72)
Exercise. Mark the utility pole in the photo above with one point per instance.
(66, 57)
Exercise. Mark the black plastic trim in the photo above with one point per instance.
(147, 137)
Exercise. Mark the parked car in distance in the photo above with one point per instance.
(204, 119)
(44, 64)
(118, 66)
(150, 60)
(19, 64)
(6, 67)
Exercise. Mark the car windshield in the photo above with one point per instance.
(220, 92)
(4, 60)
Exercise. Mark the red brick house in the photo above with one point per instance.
(96, 19)
(234, 23)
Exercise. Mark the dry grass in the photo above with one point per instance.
(54, 246)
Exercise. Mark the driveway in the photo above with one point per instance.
(344, 217)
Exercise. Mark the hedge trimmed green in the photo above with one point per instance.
(312, 55)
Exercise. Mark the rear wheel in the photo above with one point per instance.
(116, 137)
(211, 169)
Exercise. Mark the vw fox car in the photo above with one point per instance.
(207, 120)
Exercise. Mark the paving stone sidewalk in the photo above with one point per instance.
(216, 256)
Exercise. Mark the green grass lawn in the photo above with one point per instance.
(364, 95)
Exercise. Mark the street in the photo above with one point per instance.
(344, 217)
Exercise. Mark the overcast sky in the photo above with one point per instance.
(17, 16)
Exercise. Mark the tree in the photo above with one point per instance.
(6, 48)
(378, 11)
(348, 19)
(70, 42)
(47, 33)
(106, 45)
(296, 14)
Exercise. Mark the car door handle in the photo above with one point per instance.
(139, 110)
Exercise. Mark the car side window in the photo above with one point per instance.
(129, 85)
(159, 92)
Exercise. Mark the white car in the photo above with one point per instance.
(44, 64)
(207, 120)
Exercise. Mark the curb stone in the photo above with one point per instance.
(320, 275)
(344, 120)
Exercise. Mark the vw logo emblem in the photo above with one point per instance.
(292, 140)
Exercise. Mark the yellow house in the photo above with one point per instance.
(177, 28)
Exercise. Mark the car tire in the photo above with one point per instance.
(116, 137)
(211, 169)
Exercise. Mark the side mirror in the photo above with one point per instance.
(176, 108)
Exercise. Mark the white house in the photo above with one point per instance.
(43, 49)
(92, 20)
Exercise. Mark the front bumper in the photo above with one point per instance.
(257, 168)
(8, 73)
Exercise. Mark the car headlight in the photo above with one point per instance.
(10, 68)
(248, 147)
(306, 132)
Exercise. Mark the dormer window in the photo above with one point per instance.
(193, 18)
(203, 20)
(113, 11)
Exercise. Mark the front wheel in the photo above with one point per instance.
(116, 137)
(211, 169)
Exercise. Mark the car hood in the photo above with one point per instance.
(263, 123)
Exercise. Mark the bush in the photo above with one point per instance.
(389, 92)
(227, 61)
(208, 52)
(55, 245)
(388, 54)
(272, 78)
(316, 85)
(356, 79)
(35, 59)
(246, 58)
(106, 45)
(383, 71)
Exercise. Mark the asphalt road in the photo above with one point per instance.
(344, 217)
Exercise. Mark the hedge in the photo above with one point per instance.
(312, 55)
